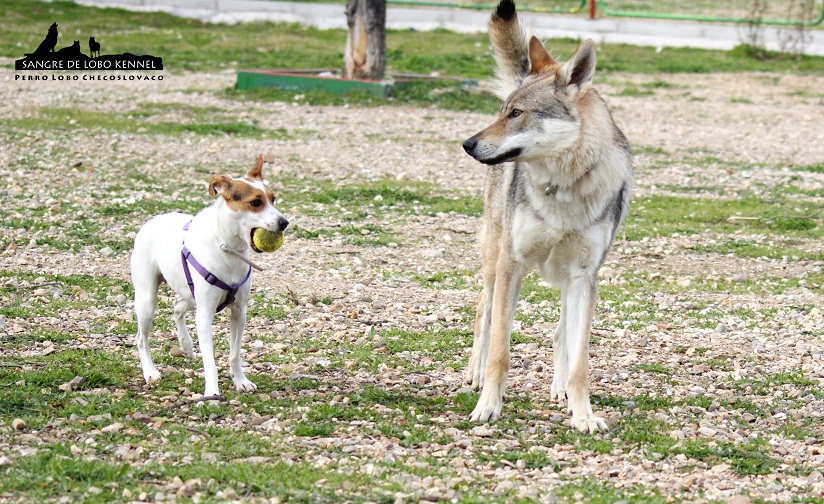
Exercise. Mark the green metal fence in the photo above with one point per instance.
(554, 6)
(777, 12)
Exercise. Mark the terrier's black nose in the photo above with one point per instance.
(469, 145)
(282, 223)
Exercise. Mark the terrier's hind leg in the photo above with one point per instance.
(184, 339)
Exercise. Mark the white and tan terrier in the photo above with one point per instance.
(170, 246)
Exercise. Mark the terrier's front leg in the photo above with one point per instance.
(203, 321)
(236, 325)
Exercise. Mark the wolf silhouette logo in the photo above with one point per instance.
(48, 43)
(45, 57)
(94, 47)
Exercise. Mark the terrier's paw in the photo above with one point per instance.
(151, 376)
(590, 424)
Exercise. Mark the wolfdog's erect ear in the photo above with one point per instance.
(579, 69)
(257, 171)
(539, 60)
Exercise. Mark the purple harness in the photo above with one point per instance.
(187, 257)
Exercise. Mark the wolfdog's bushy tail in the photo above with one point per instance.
(510, 47)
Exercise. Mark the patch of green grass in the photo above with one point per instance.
(653, 367)
(635, 91)
(311, 428)
(748, 458)
(748, 249)
(597, 491)
(800, 429)
(64, 292)
(366, 235)
(442, 345)
(31, 391)
(261, 306)
(63, 119)
(623, 58)
(670, 214)
(402, 400)
(400, 196)
(646, 149)
(455, 279)
(767, 384)
(47, 474)
(444, 94)
(814, 168)
(645, 88)
(386, 199)
(532, 459)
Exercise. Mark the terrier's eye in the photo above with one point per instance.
(256, 202)
(515, 113)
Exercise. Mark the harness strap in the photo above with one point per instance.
(187, 258)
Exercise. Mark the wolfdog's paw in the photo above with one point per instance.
(488, 409)
(244, 385)
(474, 376)
(475, 380)
(589, 425)
(557, 392)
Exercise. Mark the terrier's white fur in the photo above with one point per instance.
(243, 205)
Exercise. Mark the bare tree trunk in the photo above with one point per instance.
(366, 40)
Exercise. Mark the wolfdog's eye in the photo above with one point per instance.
(515, 113)
(256, 202)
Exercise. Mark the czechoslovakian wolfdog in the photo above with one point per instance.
(556, 191)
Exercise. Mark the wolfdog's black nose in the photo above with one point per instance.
(469, 145)
(282, 223)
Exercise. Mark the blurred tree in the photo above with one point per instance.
(366, 39)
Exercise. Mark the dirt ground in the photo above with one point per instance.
(736, 134)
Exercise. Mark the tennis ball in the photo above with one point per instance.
(267, 241)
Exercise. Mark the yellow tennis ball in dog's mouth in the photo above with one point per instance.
(266, 241)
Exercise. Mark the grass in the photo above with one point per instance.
(673, 214)
(140, 122)
(403, 197)
(49, 474)
(441, 93)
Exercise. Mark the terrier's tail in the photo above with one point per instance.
(510, 47)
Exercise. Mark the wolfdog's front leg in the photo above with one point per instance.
(560, 357)
(578, 307)
(483, 312)
(480, 343)
(504, 298)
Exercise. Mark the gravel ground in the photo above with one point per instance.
(765, 123)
